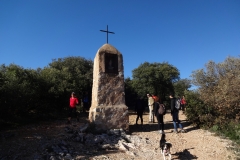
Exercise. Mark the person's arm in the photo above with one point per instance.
(156, 105)
(152, 101)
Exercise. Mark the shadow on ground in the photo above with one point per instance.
(185, 155)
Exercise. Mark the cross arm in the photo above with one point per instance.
(107, 31)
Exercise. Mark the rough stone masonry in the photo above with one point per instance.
(108, 109)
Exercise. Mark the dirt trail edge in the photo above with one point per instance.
(39, 142)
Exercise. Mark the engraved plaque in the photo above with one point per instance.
(111, 63)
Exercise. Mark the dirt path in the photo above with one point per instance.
(29, 142)
(194, 144)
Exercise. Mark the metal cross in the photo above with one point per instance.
(107, 32)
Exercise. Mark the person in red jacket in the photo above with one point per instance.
(183, 103)
(72, 107)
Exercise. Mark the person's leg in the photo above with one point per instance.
(141, 117)
(84, 106)
(150, 113)
(183, 108)
(162, 122)
(174, 115)
(74, 110)
(69, 114)
(137, 117)
(159, 123)
(153, 116)
(178, 121)
(87, 106)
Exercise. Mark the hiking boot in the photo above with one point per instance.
(161, 132)
(183, 131)
(175, 131)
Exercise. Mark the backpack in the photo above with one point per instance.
(177, 104)
(161, 109)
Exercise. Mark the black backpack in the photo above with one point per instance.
(161, 109)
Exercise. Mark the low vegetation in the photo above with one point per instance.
(215, 105)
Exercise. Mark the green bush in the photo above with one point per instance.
(197, 112)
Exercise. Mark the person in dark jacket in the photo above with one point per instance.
(139, 108)
(86, 102)
(158, 116)
(174, 113)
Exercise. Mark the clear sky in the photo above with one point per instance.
(184, 33)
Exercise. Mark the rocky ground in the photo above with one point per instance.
(58, 140)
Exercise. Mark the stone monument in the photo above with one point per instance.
(108, 109)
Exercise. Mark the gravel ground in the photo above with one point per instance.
(33, 141)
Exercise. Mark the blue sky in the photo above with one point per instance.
(184, 33)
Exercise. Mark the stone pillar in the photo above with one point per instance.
(108, 109)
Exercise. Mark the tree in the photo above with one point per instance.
(154, 78)
(219, 87)
(181, 86)
(19, 90)
(28, 92)
(66, 75)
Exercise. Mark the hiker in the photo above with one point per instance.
(150, 106)
(86, 102)
(139, 108)
(183, 104)
(158, 115)
(72, 108)
(174, 114)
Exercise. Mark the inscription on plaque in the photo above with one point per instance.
(111, 63)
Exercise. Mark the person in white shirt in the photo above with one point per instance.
(150, 105)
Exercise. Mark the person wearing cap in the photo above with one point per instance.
(72, 108)
(150, 105)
